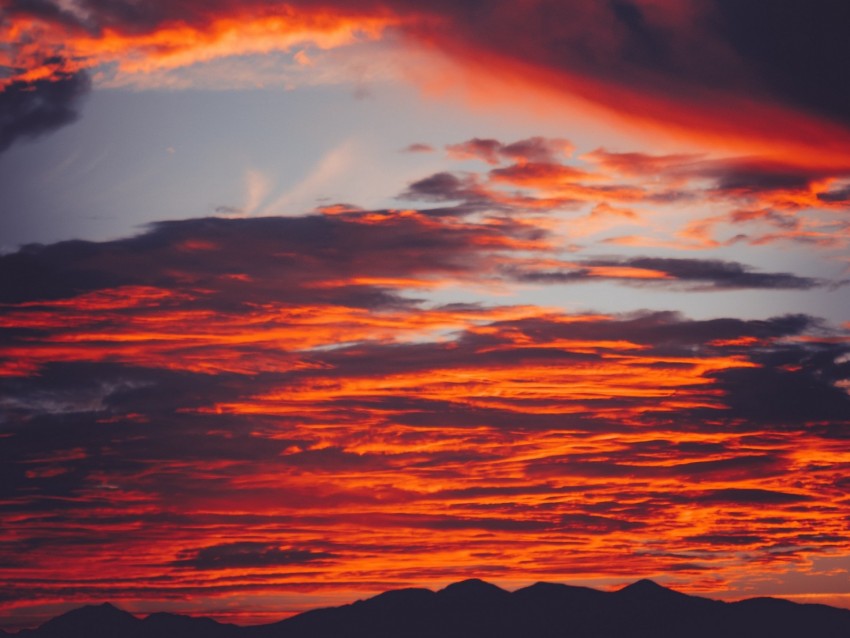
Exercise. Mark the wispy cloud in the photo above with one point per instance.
(318, 182)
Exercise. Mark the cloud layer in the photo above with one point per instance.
(244, 406)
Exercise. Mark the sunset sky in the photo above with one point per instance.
(303, 301)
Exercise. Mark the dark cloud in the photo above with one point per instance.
(537, 149)
(821, 538)
(744, 467)
(643, 42)
(534, 149)
(741, 177)
(276, 253)
(482, 523)
(440, 187)
(750, 496)
(716, 274)
(694, 274)
(726, 539)
(96, 15)
(797, 50)
(755, 181)
(713, 64)
(835, 197)
(244, 555)
(590, 524)
(790, 397)
(29, 109)
(662, 333)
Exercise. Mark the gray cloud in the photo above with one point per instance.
(29, 109)
(691, 274)
(247, 555)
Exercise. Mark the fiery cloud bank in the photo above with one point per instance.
(242, 415)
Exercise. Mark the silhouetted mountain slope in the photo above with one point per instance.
(107, 621)
(163, 624)
(473, 609)
(776, 617)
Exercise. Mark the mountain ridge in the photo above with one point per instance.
(474, 607)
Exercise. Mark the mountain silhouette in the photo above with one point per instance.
(477, 609)
(107, 621)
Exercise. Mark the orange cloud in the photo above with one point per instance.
(181, 42)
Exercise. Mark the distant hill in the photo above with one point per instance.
(474, 608)
(107, 621)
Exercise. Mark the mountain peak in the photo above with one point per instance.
(646, 589)
(472, 587)
(105, 615)
(645, 585)
(103, 610)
